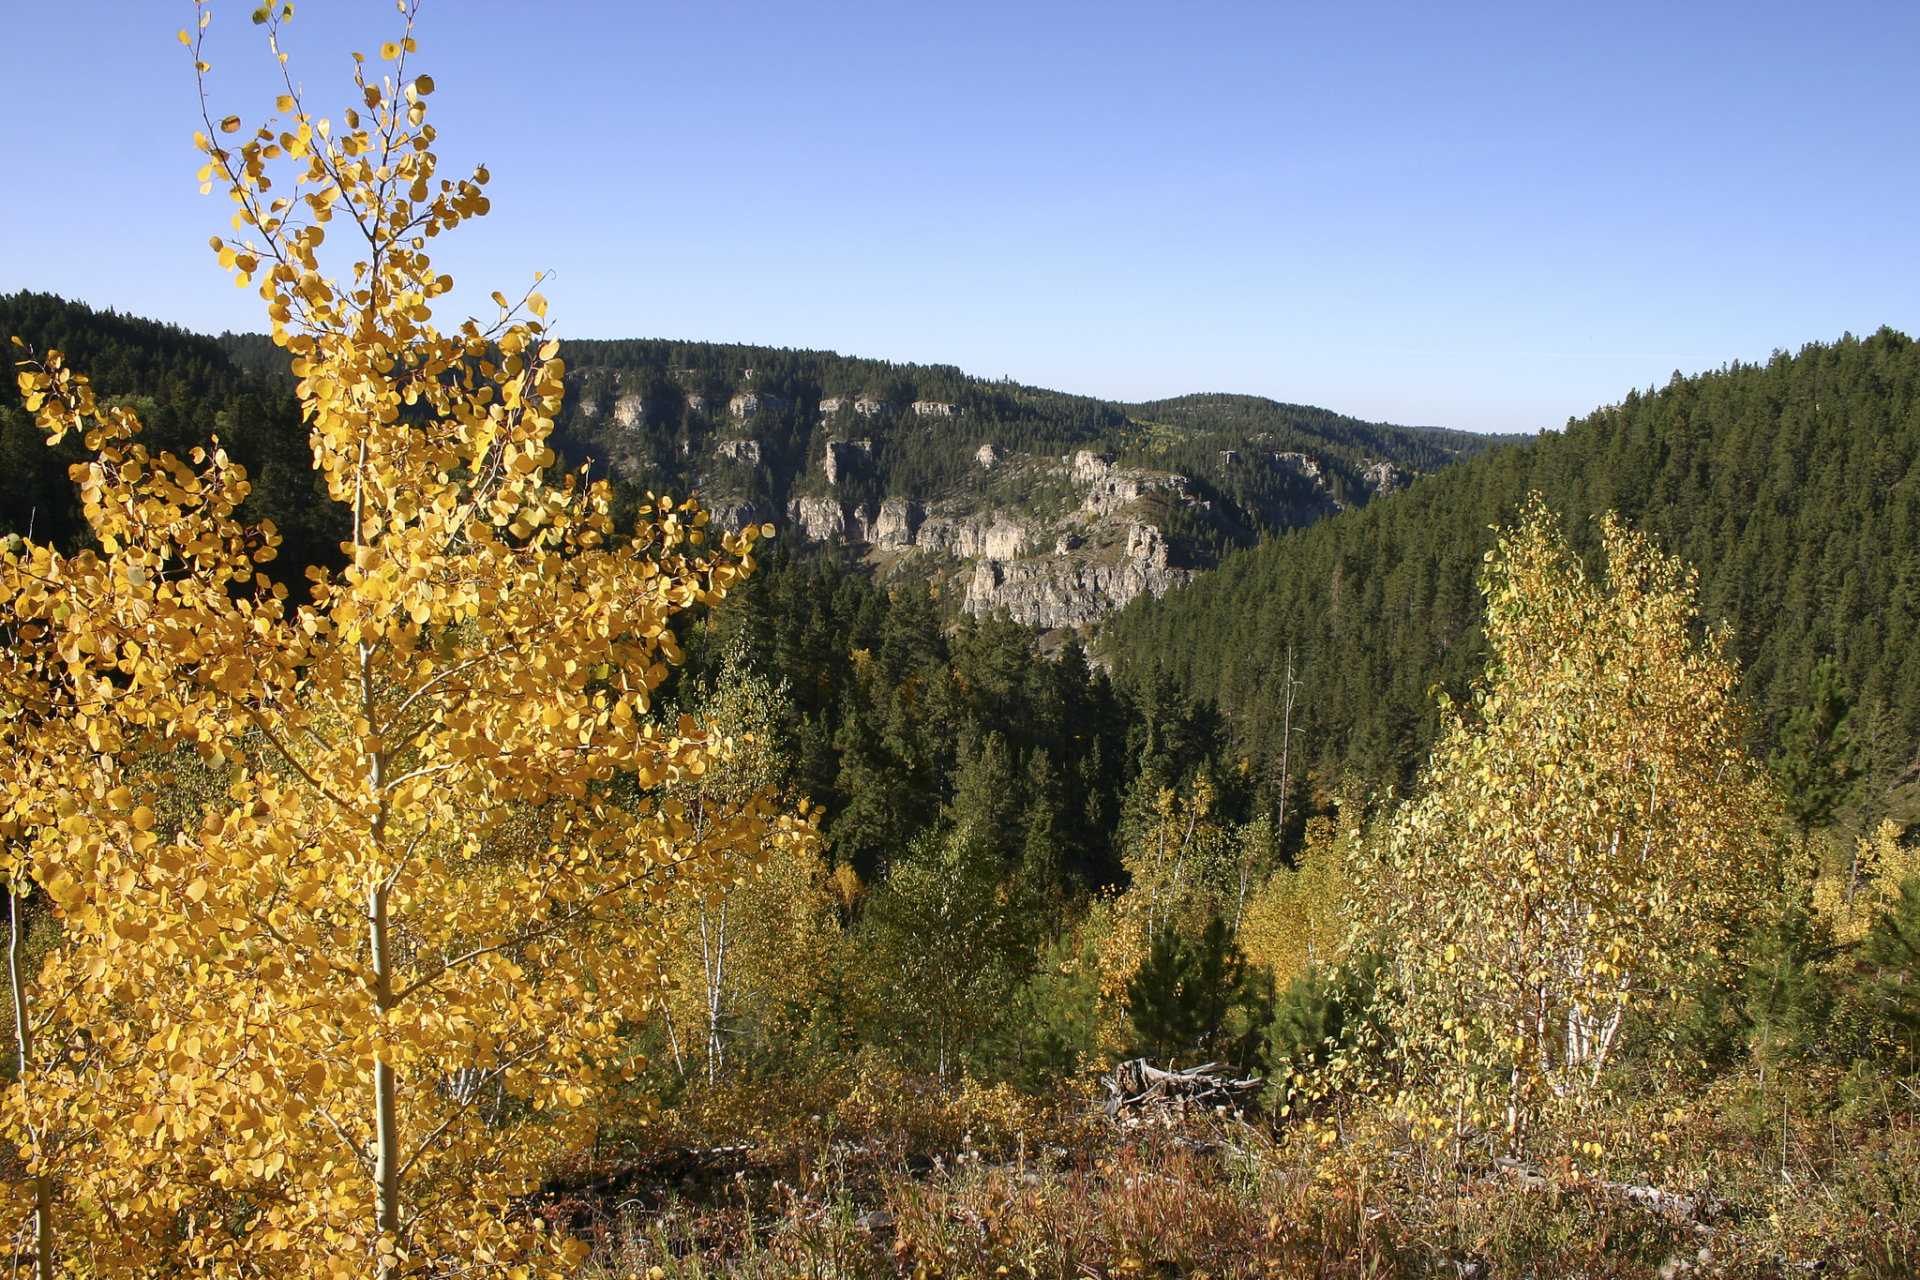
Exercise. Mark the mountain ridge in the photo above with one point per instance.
(1055, 506)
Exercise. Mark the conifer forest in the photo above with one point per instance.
(435, 850)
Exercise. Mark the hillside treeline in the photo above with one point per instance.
(1792, 486)
(187, 391)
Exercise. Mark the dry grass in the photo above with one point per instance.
(891, 1179)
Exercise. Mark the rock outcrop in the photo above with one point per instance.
(935, 409)
(748, 403)
(1101, 548)
(630, 413)
(731, 517)
(1300, 464)
(1382, 477)
(818, 518)
(898, 521)
(747, 451)
(986, 455)
(1066, 591)
(997, 535)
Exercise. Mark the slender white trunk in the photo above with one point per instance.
(386, 1167)
(1286, 784)
(23, 1045)
(713, 961)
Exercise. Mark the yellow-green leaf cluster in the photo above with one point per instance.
(1582, 839)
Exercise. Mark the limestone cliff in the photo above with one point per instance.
(1057, 508)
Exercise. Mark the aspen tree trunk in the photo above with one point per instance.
(386, 1157)
(1286, 780)
(386, 1164)
(23, 1044)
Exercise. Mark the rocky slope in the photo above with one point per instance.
(1057, 508)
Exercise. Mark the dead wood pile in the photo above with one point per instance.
(1139, 1091)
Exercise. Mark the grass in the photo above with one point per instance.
(898, 1178)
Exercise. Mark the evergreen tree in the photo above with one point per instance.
(1815, 760)
(1195, 997)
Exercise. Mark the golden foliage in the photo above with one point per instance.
(749, 944)
(1852, 896)
(334, 1019)
(1300, 918)
(1583, 837)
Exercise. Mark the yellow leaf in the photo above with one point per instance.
(537, 304)
(389, 51)
(230, 125)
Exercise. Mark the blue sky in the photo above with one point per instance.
(1480, 216)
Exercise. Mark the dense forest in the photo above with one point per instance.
(1792, 487)
(187, 391)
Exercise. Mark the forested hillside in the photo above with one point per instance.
(186, 391)
(1793, 487)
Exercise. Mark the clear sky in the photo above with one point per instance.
(1474, 215)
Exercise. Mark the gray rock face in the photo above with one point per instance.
(748, 403)
(860, 524)
(1064, 592)
(873, 408)
(831, 406)
(1382, 476)
(998, 535)
(818, 518)
(1147, 546)
(630, 412)
(731, 517)
(747, 451)
(1098, 551)
(897, 523)
(697, 406)
(935, 409)
(1089, 467)
(1300, 464)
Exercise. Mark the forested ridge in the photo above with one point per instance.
(659, 414)
(1792, 486)
(187, 391)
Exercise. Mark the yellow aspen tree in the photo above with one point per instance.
(1852, 896)
(1299, 916)
(72, 720)
(1581, 839)
(47, 752)
(377, 982)
(751, 941)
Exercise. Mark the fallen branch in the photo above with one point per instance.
(1138, 1090)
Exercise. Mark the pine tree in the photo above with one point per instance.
(1816, 759)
